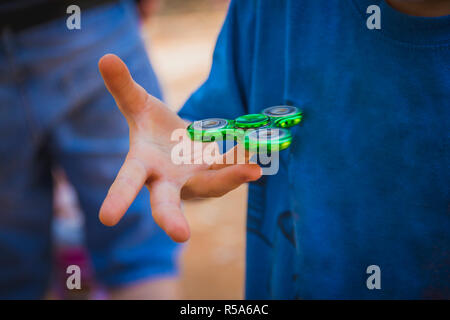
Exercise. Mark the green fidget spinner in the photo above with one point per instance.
(258, 132)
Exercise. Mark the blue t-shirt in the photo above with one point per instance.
(366, 179)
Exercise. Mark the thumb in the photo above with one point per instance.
(130, 97)
(133, 101)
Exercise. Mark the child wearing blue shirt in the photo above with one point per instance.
(364, 185)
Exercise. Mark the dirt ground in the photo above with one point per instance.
(180, 45)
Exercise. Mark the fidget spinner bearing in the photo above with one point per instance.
(258, 132)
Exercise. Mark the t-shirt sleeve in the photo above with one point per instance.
(224, 94)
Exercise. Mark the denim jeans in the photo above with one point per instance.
(55, 110)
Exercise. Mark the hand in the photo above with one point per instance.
(149, 162)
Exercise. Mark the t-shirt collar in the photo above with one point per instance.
(406, 28)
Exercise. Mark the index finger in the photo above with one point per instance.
(129, 181)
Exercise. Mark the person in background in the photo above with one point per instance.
(359, 208)
(54, 112)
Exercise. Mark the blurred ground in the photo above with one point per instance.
(181, 39)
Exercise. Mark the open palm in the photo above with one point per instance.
(149, 160)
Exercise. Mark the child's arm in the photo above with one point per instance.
(226, 92)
